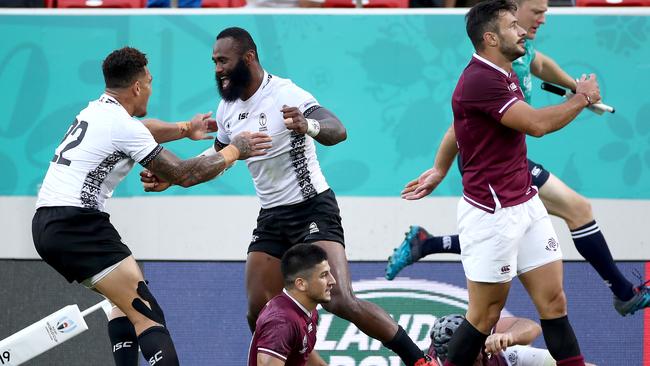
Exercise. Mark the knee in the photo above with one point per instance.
(344, 305)
(554, 306)
(486, 318)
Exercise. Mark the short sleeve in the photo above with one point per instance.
(276, 337)
(491, 94)
(131, 137)
(294, 96)
(222, 136)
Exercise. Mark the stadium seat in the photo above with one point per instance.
(367, 4)
(612, 2)
(101, 3)
(223, 3)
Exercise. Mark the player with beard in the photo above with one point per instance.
(504, 230)
(559, 199)
(285, 332)
(298, 205)
(71, 230)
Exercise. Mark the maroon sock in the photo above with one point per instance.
(572, 361)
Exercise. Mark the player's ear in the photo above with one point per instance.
(490, 39)
(135, 88)
(300, 284)
(249, 57)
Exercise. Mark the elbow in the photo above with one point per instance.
(184, 184)
(535, 129)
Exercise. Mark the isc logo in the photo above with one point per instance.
(120, 345)
(155, 358)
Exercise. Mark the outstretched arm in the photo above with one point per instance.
(196, 129)
(166, 168)
(431, 178)
(319, 123)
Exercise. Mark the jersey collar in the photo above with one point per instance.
(492, 65)
(307, 312)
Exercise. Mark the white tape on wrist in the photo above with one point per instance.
(313, 127)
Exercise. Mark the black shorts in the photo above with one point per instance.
(540, 175)
(537, 171)
(77, 242)
(279, 228)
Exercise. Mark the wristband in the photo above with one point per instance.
(313, 127)
(230, 153)
(184, 128)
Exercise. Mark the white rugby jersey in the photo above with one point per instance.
(289, 173)
(96, 153)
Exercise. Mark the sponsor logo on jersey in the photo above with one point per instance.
(304, 345)
(242, 115)
(513, 86)
(313, 228)
(414, 303)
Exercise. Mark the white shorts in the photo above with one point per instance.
(511, 241)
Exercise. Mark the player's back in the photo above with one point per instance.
(97, 151)
(285, 330)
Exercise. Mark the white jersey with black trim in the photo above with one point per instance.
(96, 153)
(289, 173)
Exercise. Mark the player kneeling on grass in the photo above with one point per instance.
(509, 343)
(285, 331)
(71, 230)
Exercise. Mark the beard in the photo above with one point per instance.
(511, 52)
(238, 79)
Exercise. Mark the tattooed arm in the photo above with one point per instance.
(330, 129)
(166, 168)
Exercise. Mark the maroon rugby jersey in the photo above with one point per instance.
(493, 156)
(285, 330)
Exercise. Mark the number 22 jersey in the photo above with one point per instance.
(96, 153)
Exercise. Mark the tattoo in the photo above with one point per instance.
(241, 143)
(332, 130)
(186, 173)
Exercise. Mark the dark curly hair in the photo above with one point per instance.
(244, 41)
(484, 16)
(123, 66)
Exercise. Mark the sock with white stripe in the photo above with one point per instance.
(591, 244)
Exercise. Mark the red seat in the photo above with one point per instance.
(223, 3)
(612, 2)
(367, 3)
(101, 3)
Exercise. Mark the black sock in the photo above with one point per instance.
(441, 244)
(560, 339)
(404, 347)
(591, 244)
(465, 344)
(124, 342)
(157, 347)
